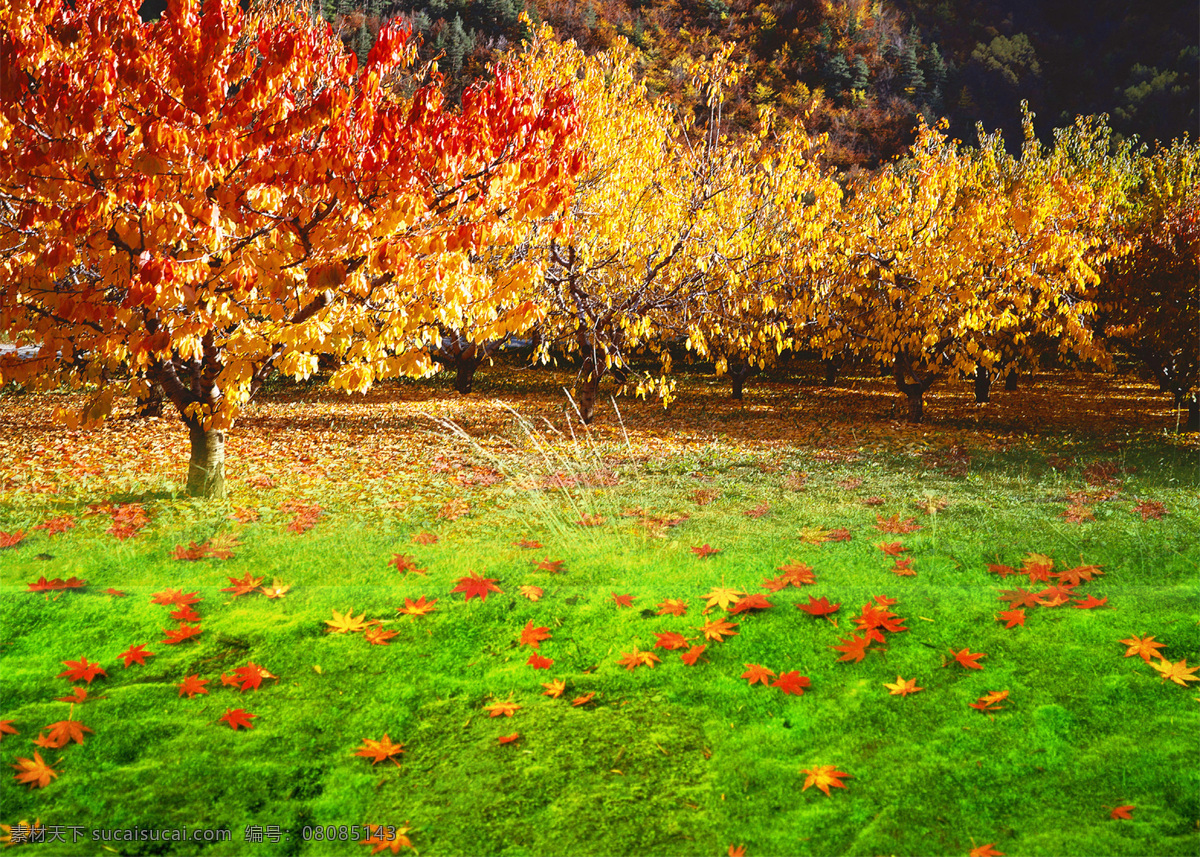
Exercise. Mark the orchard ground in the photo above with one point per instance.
(349, 508)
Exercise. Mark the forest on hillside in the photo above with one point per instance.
(859, 70)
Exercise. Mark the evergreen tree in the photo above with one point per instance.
(455, 44)
(860, 74)
(837, 75)
(912, 78)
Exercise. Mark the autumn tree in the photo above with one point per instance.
(951, 252)
(218, 195)
(1151, 294)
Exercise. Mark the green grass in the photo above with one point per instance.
(669, 760)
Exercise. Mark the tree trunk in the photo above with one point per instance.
(589, 386)
(738, 373)
(1011, 380)
(833, 366)
(465, 364)
(983, 384)
(1193, 420)
(916, 404)
(206, 470)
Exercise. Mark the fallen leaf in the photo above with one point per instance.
(1011, 618)
(405, 564)
(722, 597)
(672, 607)
(474, 585)
(78, 694)
(717, 629)
(193, 685)
(539, 663)
(990, 701)
(587, 520)
(819, 607)
(692, 655)
(757, 673)
(968, 659)
(554, 689)
(35, 772)
(902, 687)
(824, 776)
(1178, 673)
(238, 717)
(6, 728)
(502, 709)
(670, 640)
(115, 593)
(1148, 509)
(533, 593)
(622, 600)
(705, 550)
(579, 701)
(532, 636)
(903, 568)
(758, 511)
(797, 573)
(985, 851)
(249, 677)
(853, 649)
(243, 585)
(552, 566)
(637, 658)
(792, 683)
(420, 607)
(1123, 812)
(387, 838)
(175, 598)
(277, 589)
(379, 636)
(81, 670)
(1090, 602)
(135, 655)
(753, 601)
(508, 739)
(1145, 648)
(895, 525)
(378, 751)
(178, 635)
(61, 733)
(892, 548)
(184, 614)
(528, 544)
(426, 539)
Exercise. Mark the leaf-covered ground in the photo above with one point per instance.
(349, 517)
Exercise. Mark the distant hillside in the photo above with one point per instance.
(861, 70)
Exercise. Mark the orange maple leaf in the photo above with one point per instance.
(62, 733)
(985, 851)
(78, 694)
(425, 539)
(753, 601)
(824, 776)
(508, 739)
(554, 689)
(277, 589)
(637, 658)
(895, 525)
(6, 728)
(580, 701)
(692, 655)
(406, 564)
(756, 672)
(853, 649)
(722, 597)
(902, 687)
(387, 838)
(892, 548)
(533, 593)
(672, 607)
(797, 573)
(175, 598)
(379, 750)
(670, 640)
(990, 701)
(1123, 812)
(552, 566)
(622, 600)
(528, 544)
(903, 568)
(532, 636)
(502, 709)
(705, 551)
(968, 659)
(1011, 618)
(1178, 673)
(819, 607)
(540, 663)
(1143, 647)
(379, 636)
(184, 614)
(34, 771)
(178, 635)
(475, 585)
(420, 607)
(1090, 602)
(717, 629)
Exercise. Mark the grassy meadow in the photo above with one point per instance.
(344, 513)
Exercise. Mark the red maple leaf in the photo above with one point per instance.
(531, 636)
(841, 534)
(775, 584)
(874, 617)
(184, 614)
(420, 607)
(539, 663)
(985, 851)
(1079, 574)
(81, 670)
(1012, 618)
(115, 593)
(249, 677)
(758, 511)
(705, 551)
(44, 585)
(824, 776)
(191, 554)
(1002, 570)
(135, 654)
(968, 659)
(892, 548)
(818, 607)
(475, 585)
(638, 658)
(62, 733)
(238, 717)
(853, 649)
(10, 540)
(753, 601)
(903, 568)
(580, 701)
(78, 695)
(244, 585)
(757, 672)
(55, 526)
(792, 683)
(552, 566)
(1019, 597)
(178, 635)
(623, 600)
(1123, 812)
(508, 739)
(670, 640)
(193, 685)
(692, 655)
